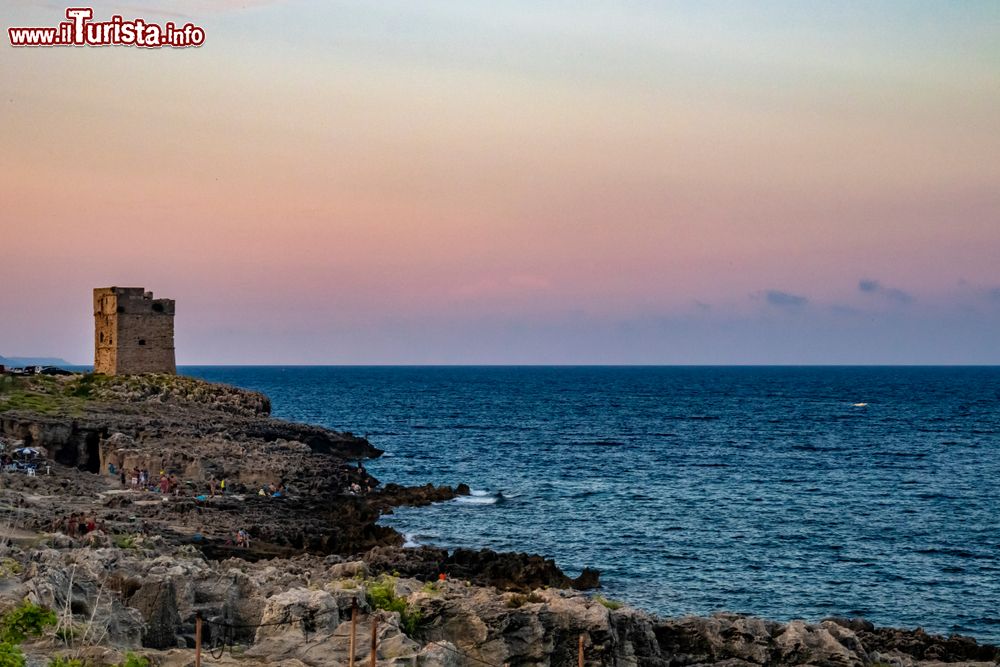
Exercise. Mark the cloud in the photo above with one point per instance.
(869, 286)
(784, 299)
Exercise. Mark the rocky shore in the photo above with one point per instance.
(155, 563)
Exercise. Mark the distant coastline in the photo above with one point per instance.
(34, 361)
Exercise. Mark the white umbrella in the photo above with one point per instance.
(27, 450)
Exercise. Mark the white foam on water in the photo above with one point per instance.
(481, 498)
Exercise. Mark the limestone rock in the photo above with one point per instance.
(156, 600)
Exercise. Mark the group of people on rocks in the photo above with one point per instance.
(273, 490)
(77, 525)
(166, 484)
(243, 538)
(216, 486)
(140, 479)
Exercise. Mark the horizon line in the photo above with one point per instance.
(583, 365)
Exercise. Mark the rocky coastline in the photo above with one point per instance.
(156, 564)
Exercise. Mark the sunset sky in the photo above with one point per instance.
(413, 181)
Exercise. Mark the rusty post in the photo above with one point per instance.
(354, 628)
(579, 657)
(372, 661)
(197, 639)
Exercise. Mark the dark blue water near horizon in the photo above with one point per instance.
(785, 492)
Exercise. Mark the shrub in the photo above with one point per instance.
(610, 604)
(9, 567)
(410, 618)
(381, 594)
(11, 656)
(133, 660)
(67, 662)
(83, 387)
(26, 620)
(123, 541)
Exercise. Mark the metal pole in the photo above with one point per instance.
(579, 658)
(197, 639)
(354, 627)
(371, 662)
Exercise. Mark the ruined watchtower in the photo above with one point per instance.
(133, 332)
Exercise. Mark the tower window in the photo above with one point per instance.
(121, 309)
(157, 307)
(102, 336)
(142, 341)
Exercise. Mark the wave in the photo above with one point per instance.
(480, 497)
(477, 500)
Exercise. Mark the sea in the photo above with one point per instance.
(783, 492)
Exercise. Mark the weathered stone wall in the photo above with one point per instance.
(105, 330)
(134, 333)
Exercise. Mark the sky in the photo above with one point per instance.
(523, 182)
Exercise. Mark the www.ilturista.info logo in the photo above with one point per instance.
(79, 30)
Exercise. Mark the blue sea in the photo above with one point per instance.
(777, 491)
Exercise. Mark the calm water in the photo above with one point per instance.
(759, 490)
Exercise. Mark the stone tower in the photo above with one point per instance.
(133, 332)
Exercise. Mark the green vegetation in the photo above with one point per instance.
(9, 567)
(431, 588)
(133, 660)
(38, 393)
(30, 401)
(11, 655)
(381, 594)
(25, 620)
(67, 662)
(124, 541)
(610, 604)
(82, 386)
(8, 383)
(48, 394)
